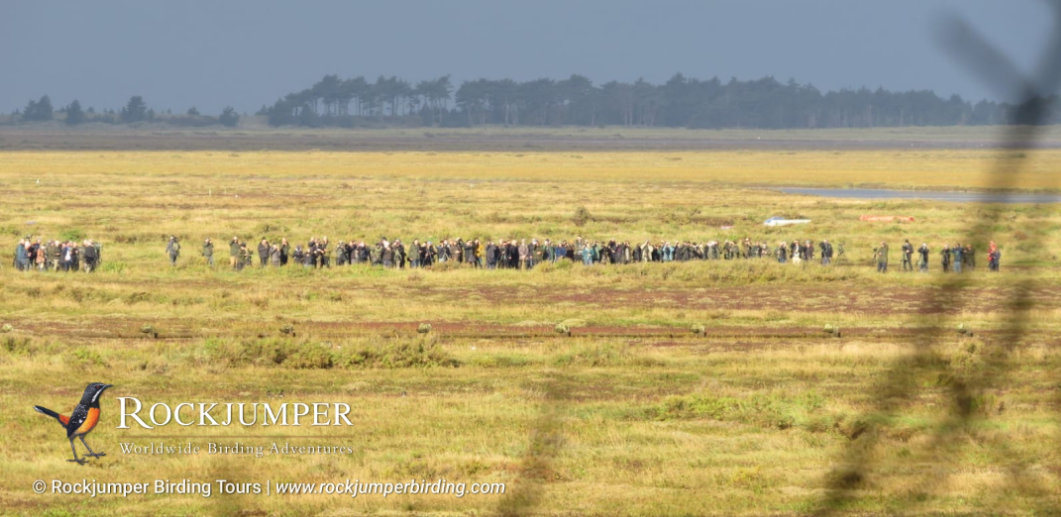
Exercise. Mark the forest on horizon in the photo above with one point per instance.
(681, 102)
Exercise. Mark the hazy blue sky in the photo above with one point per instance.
(246, 53)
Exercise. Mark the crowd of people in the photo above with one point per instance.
(526, 253)
(502, 254)
(55, 255)
(953, 257)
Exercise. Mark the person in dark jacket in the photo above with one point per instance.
(208, 252)
(285, 251)
(89, 254)
(881, 256)
(907, 263)
(469, 254)
(299, 256)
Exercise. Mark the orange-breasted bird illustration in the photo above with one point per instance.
(82, 420)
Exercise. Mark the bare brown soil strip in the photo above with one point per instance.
(735, 337)
(881, 301)
(101, 138)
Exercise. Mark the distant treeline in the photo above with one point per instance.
(680, 102)
(136, 110)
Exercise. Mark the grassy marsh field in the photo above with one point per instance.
(761, 412)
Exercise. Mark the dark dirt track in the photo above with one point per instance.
(101, 137)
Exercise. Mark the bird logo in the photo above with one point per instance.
(82, 420)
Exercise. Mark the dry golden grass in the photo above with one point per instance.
(633, 414)
(961, 169)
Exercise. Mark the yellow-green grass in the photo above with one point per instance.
(631, 414)
(572, 426)
(204, 171)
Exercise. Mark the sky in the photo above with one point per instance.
(247, 53)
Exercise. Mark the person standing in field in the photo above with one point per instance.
(908, 254)
(322, 247)
(646, 251)
(523, 252)
(31, 253)
(491, 255)
(298, 255)
(340, 253)
(469, 253)
(605, 253)
(444, 251)
(386, 254)
(66, 255)
(881, 256)
(208, 252)
(243, 258)
(414, 254)
(535, 252)
(430, 252)
(91, 256)
(587, 255)
(993, 256)
(956, 258)
(285, 250)
(21, 255)
(944, 258)
(263, 252)
(364, 253)
(399, 253)
(173, 249)
(274, 255)
(51, 255)
(922, 264)
(233, 252)
(510, 254)
(38, 256)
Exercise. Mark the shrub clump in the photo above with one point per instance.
(760, 410)
(306, 354)
(16, 346)
(148, 330)
(581, 216)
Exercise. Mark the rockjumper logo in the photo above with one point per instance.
(82, 420)
(226, 413)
